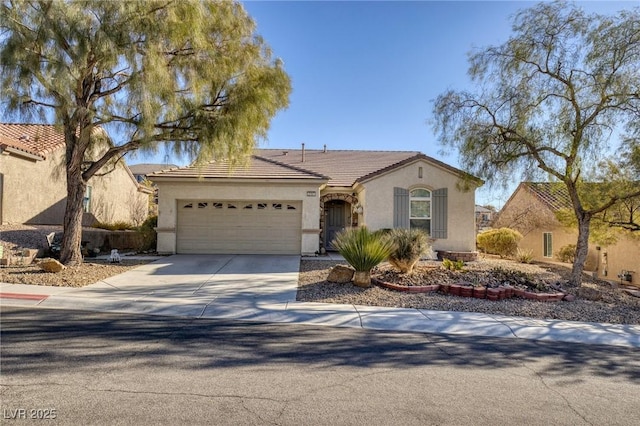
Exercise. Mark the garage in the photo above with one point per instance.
(239, 227)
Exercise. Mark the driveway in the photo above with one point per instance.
(189, 284)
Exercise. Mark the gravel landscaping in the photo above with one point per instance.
(615, 306)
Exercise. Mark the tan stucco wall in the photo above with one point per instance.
(377, 200)
(525, 213)
(34, 192)
(170, 192)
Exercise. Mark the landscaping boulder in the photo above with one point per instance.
(341, 274)
(589, 294)
(51, 265)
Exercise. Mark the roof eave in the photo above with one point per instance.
(25, 154)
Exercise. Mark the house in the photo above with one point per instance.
(295, 201)
(484, 217)
(33, 182)
(531, 210)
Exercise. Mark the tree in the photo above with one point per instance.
(189, 74)
(560, 93)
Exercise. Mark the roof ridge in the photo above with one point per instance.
(288, 166)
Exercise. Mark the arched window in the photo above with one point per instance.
(420, 209)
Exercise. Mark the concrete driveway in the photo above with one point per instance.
(189, 284)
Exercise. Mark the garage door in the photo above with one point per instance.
(239, 227)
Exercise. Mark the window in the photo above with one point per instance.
(248, 207)
(86, 201)
(188, 206)
(420, 209)
(216, 205)
(202, 205)
(548, 244)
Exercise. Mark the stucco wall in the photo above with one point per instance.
(170, 192)
(377, 200)
(34, 192)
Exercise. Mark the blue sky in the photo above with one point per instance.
(364, 73)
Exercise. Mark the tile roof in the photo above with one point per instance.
(553, 194)
(35, 139)
(257, 168)
(148, 168)
(340, 167)
(346, 167)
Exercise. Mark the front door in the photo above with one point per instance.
(337, 212)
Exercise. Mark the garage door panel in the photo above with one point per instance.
(244, 227)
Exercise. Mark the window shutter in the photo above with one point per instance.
(400, 208)
(439, 214)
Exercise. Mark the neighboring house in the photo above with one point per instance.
(141, 171)
(295, 201)
(532, 208)
(33, 182)
(484, 217)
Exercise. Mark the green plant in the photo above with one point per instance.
(524, 256)
(115, 226)
(408, 246)
(567, 254)
(149, 235)
(453, 265)
(363, 250)
(503, 241)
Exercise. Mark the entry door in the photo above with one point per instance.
(336, 220)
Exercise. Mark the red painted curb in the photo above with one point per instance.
(23, 296)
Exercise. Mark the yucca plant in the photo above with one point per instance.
(363, 250)
(408, 246)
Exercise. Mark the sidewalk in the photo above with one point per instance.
(98, 297)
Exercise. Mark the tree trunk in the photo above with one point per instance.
(582, 250)
(70, 253)
(362, 278)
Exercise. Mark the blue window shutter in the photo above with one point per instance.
(439, 214)
(400, 208)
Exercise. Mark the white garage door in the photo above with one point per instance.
(239, 227)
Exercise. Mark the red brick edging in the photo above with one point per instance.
(493, 294)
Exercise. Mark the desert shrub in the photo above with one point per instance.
(149, 235)
(408, 246)
(363, 250)
(115, 226)
(503, 241)
(567, 254)
(524, 256)
(453, 265)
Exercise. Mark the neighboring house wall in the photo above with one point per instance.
(378, 202)
(171, 192)
(34, 192)
(532, 218)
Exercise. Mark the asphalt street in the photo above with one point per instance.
(77, 367)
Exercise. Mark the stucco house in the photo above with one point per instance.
(295, 201)
(33, 182)
(531, 210)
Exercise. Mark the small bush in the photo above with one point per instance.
(408, 246)
(503, 241)
(453, 265)
(149, 235)
(567, 254)
(115, 226)
(524, 256)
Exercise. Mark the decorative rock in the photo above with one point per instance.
(341, 274)
(51, 265)
(589, 293)
(569, 298)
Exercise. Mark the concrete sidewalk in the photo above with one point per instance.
(263, 288)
